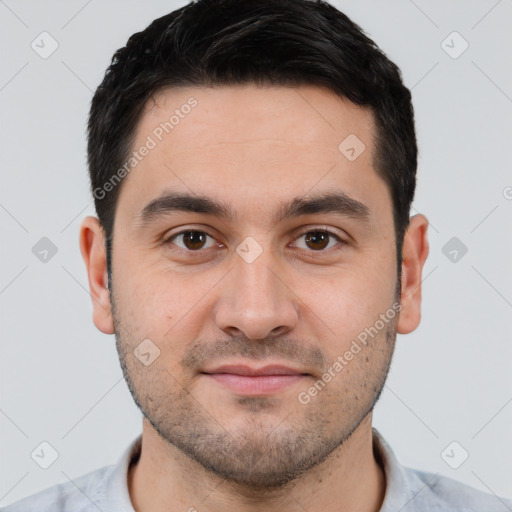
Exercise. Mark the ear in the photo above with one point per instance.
(414, 254)
(92, 246)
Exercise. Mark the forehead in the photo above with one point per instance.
(247, 145)
(246, 113)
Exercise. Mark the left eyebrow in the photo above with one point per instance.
(330, 202)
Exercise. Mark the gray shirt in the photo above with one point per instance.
(407, 490)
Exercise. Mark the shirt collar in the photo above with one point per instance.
(117, 496)
(398, 490)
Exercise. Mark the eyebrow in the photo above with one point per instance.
(329, 202)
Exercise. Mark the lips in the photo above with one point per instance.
(249, 381)
(253, 372)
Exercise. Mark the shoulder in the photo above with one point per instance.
(441, 493)
(82, 494)
(413, 490)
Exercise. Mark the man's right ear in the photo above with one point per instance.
(92, 246)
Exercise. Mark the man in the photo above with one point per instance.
(253, 166)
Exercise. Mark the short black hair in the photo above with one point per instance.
(266, 42)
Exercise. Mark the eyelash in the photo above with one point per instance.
(168, 241)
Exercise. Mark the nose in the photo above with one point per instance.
(256, 301)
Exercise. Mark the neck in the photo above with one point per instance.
(349, 479)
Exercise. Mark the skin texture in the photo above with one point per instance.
(300, 303)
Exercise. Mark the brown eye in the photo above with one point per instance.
(319, 240)
(191, 240)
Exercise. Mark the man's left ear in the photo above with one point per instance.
(414, 254)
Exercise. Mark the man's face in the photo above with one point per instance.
(254, 289)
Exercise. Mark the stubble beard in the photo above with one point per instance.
(270, 451)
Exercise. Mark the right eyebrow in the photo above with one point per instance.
(170, 202)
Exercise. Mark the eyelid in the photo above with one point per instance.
(168, 239)
(342, 241)
(326, 229)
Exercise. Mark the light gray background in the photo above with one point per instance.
(450, 380)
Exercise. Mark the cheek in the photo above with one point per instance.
(352, 300)
(167, 308)
(139, 304)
